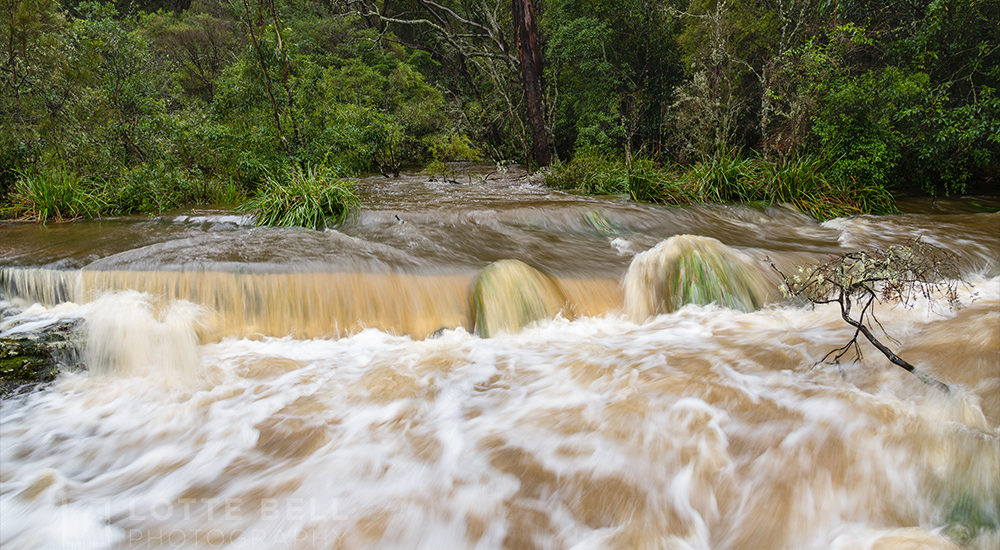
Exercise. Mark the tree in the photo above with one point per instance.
(530, 55)
(31, 95)
(196, 47)
(709, 109)
(611, 67)
(474, 38)
(857, 280)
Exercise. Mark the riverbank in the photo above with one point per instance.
(318, 197)
(805, 183)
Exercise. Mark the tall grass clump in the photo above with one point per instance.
(648, 181)
(805, 183)
(724, 179)
(313, 197)
(55, 194)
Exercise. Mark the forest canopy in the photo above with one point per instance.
(832, 105)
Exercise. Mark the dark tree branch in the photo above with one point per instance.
(899, 274)
(895, 359)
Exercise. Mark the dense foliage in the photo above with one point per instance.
(117, 110)
(899, 97)
(146, 105)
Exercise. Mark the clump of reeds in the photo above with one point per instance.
(801, 182)
(56, 194)
(313, 197)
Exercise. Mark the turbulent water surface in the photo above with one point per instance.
(283, 388)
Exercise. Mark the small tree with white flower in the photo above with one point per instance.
(857, 280)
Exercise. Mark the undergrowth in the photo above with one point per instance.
(801, 182)
(58, 194)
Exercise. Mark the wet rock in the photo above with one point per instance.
(29, 360)
(509, 295)
(25, 361)
(691, 269)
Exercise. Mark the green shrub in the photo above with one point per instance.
(152, 188)
(590, 172)
(55, 193)
(895, 128)
(313, 197)
(445, 149)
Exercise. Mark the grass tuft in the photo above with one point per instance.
(56, 194)
(313, 197)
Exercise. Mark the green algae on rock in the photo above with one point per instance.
(27, 360)
(509, 295)
(691, 269)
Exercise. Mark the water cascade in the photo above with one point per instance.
(509, 294)
(690, 269)
(319, 304)
(291, 389)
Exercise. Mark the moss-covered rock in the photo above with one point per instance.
(509, 294)
(691, 269)
(24, 362)
(37, 358)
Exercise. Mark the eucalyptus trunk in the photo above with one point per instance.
(529, 53)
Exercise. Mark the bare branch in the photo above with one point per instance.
(438, 22)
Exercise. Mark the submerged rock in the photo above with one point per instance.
(691, 269)
(509, 294)
(602, 223)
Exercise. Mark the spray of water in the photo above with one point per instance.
(128, 336)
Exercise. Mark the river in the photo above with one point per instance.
(285, 388)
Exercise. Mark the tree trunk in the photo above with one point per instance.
(529, 53)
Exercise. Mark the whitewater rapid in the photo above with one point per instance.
(703, 428)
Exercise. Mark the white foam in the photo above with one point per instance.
(605, 428)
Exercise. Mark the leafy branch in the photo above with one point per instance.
(857, 280)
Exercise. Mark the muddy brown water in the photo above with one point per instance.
(283, 388)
